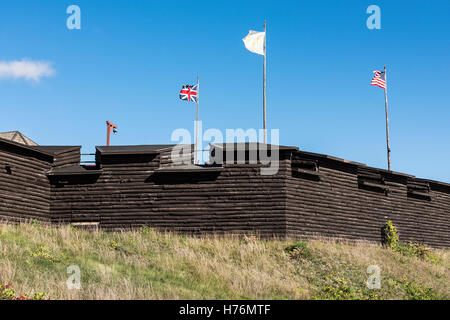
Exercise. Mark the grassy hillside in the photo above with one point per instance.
(146, 264)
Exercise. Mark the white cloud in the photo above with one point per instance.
(26, 69)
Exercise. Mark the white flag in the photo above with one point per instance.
(254, 42)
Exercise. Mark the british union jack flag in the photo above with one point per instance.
(189, 92)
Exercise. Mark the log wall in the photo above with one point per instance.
(351, 201)
(67, 158)
(131, 192)
(24, 187)
(311, 195)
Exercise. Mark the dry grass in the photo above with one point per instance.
(145, 264)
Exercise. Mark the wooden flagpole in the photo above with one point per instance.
(196, 127)
(264, 86)
(387, 120)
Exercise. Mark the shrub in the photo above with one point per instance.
(391, 239)
(390, 234)
(146, 229)
(417, 250)
(298, 250)
(417, 292)
(338, 290)
(35, 222)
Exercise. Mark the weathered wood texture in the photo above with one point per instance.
(183, 155)
(351, 203)
(311, 195)
(67, 158)
(24, 187)
(130, 192)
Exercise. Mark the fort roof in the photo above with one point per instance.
(137, 149)
(250, 145)
(49, 151)
(358, 164)
(53, 151)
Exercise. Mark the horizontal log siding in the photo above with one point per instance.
(68, 158)
(336, 207)
(130, 192)
(186, 158)
(25, 190)
(237, 200)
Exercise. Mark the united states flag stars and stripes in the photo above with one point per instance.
(189, 92)
(379, 79)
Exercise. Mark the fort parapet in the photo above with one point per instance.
(130, 186)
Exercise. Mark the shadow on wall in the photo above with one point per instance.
(61, 181)
(121, 159)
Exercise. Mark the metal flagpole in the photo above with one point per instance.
(196, 127)
(387, 121)
(264, 86)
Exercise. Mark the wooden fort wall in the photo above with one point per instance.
(347, 200)
(67, 158)
(131, 192)
(24, 187)
(311, 195)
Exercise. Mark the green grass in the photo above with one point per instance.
(146, 264)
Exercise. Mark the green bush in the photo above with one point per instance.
(298, 250)
(417, 292)
(35, 222)
(391, 239)
(390, 234)
(146, 229)
(338, 290)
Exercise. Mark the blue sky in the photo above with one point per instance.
(130, 58)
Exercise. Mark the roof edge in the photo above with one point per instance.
(23, 146)
(130, 151)
(383, 171)
(280, 147)
(67, 149)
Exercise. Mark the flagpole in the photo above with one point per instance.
(264, 86)
(196, 127)
(387, 120)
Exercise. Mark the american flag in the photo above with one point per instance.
(379, 79)
(189, 93)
